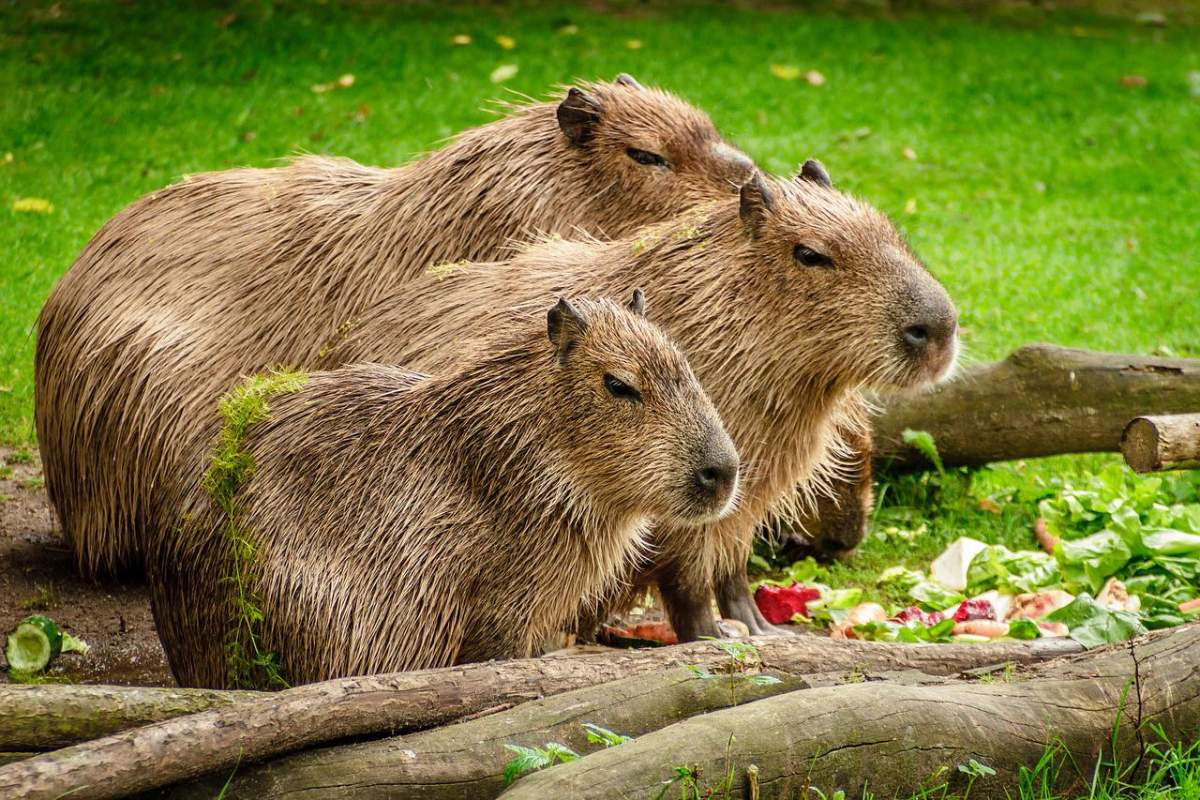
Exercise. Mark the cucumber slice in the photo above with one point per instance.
(32, 644)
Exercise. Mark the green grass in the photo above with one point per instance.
(1056, 203)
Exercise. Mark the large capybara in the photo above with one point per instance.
(787, 301)
(228, 272)
(400, 522)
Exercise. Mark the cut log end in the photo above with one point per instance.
(1152, 444)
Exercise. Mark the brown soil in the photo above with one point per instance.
(37, 575)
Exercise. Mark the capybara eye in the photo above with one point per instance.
(811, 258)
(618, 388)
(646, 158)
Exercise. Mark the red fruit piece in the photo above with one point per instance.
(779, 603)
(974, 609)
(926, 618)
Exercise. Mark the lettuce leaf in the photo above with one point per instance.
(1092, 625)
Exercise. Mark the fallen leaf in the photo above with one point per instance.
(503, 72)
(346, 81)
(909, 153)
(814, 78)
(989, 505)
(36, 205)
(5, 389)
(1133, 80)
(461, 39)
(910, 206)
(785, 72)
(507, 42)
(634, 44)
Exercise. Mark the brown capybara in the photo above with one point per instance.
(787, 301)
(403, 522)
(229, 272)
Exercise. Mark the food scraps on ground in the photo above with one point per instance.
(36, 641)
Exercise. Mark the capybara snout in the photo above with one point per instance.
(928, 335)
(715, 480)
(651, 418)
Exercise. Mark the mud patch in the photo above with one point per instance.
(37, 575)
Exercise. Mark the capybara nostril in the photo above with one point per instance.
(717, 478)
(916, 335)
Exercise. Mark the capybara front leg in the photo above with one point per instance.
(734, 598)
(689, 608)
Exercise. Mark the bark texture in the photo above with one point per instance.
(898, 739)
(1042, 400)
(466, 761)
(221, 739)
(1150, 444)
(56, 715)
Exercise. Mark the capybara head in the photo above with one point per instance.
(652, 147)
(645, 434)
(846, 284)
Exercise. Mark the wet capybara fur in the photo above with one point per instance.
(226, 273)
(787, 301)
(400, 521)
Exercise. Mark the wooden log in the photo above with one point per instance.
(223, 738)
(1151, 444)
(1041, 400)
(57, 715)
(898, 740)
(466, 761)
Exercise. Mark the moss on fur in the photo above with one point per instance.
(231, 467)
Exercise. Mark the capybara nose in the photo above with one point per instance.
(936, 329)
(717, 478)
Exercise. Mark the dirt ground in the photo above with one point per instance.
(37, 576)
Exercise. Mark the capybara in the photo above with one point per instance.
(400, 522)
(229, 272)
(787, 301)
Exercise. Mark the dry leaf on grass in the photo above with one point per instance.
(503, 72)
(36, 205)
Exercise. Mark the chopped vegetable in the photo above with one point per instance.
(975, 609)
(987, 628)
(37, 640)
(950, 568)
(1092, 624)
(779, 604)
(1034, 606)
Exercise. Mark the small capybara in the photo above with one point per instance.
(229, 272)
(787, 301)
(402, 522)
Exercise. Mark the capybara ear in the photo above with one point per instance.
(625, 79)
(578, 115)
(814, 171)
(637, 303)
(756, 203)
(565, 326)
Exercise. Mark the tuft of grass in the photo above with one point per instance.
(249, 664)
(44, 598)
